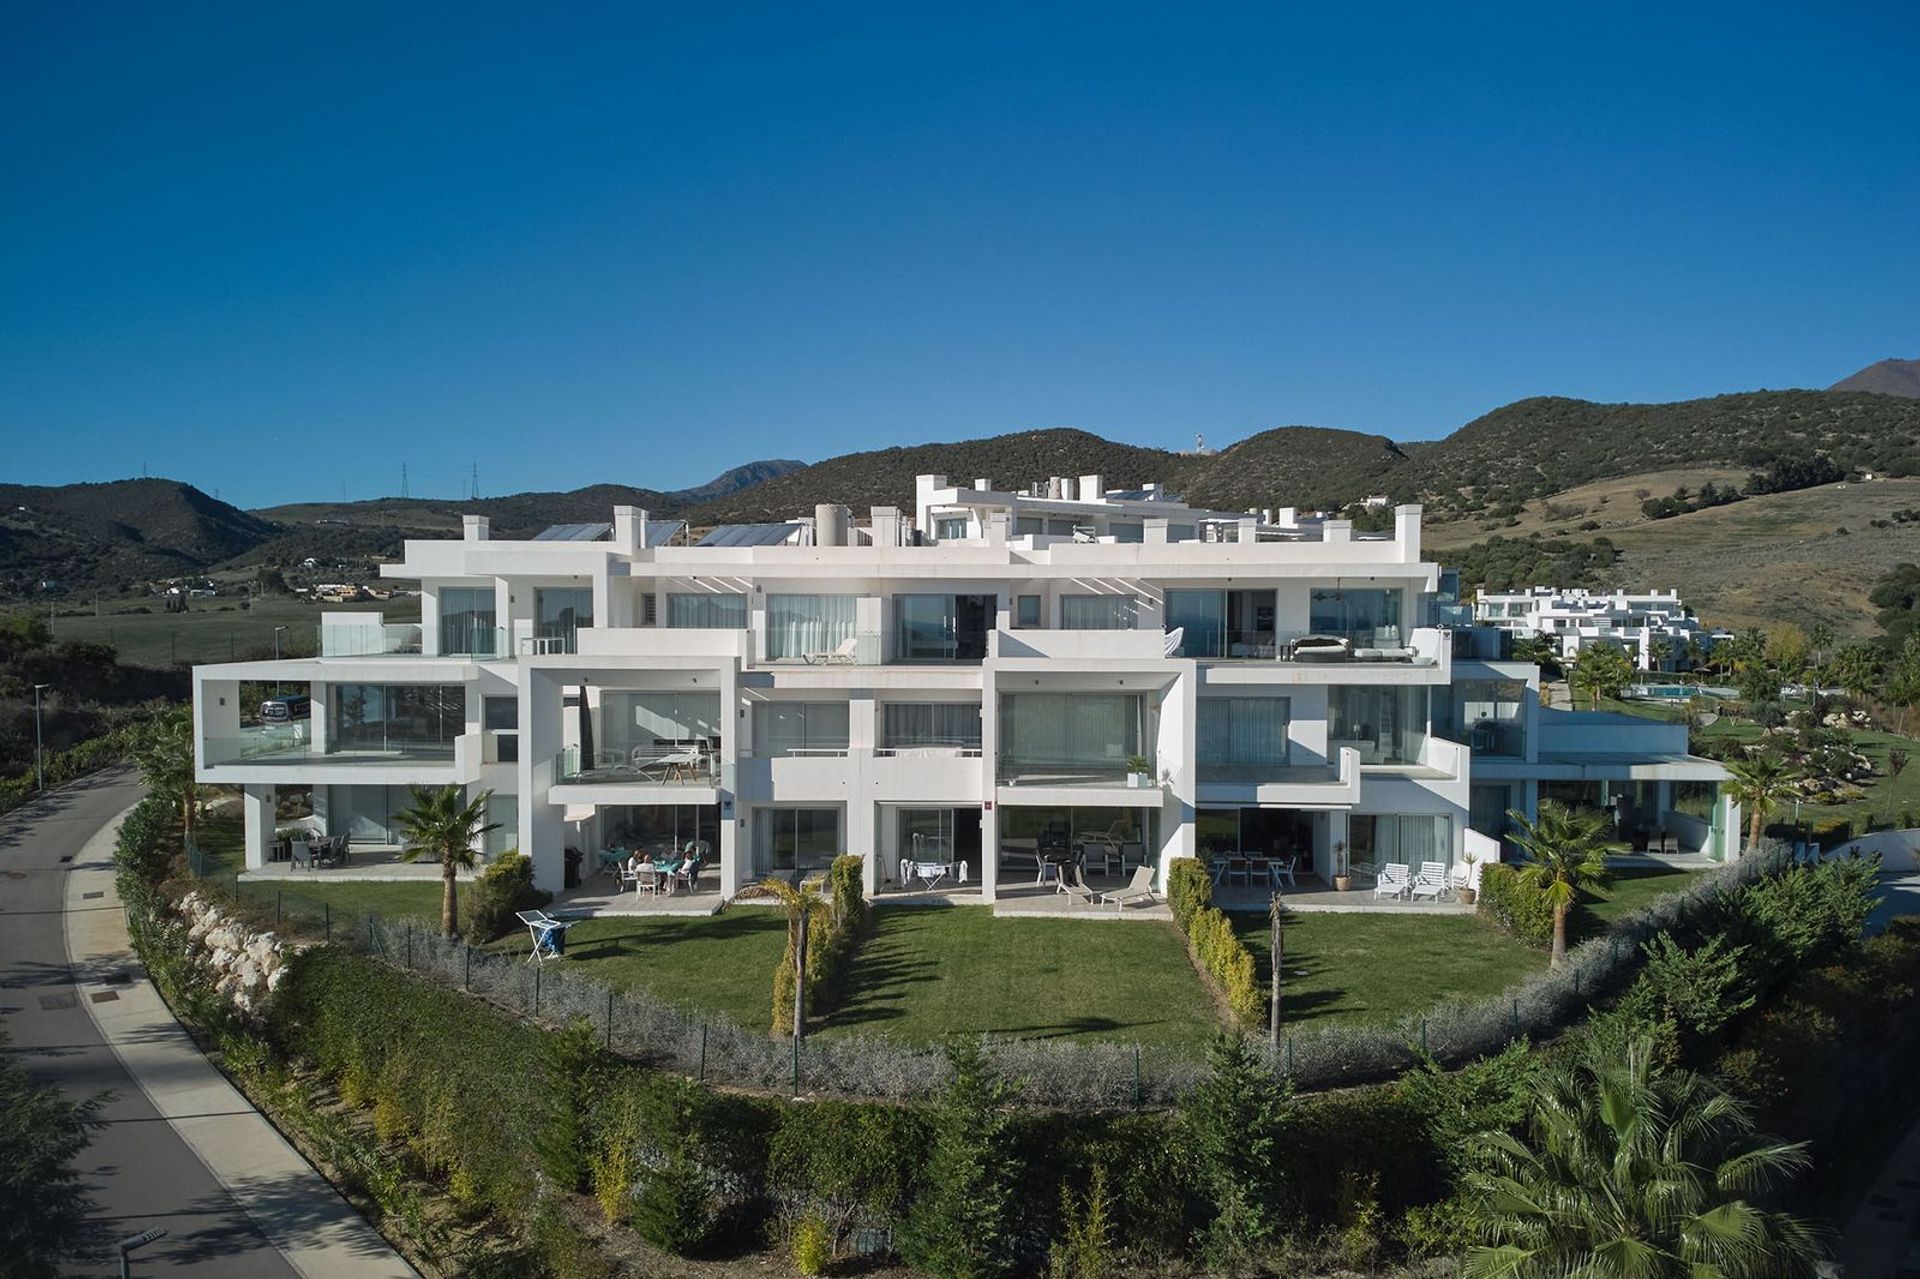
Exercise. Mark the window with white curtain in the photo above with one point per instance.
(1098, 612)
(1380, 838)
(1069, 733)
(707, 611)
(931, 725)
(799, 728)
(799, 625)
(1241, 738)
(657, 719)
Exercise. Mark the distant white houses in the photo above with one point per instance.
(1636, 621)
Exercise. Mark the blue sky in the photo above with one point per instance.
(279, 252)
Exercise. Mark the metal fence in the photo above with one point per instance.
(1072, 1076)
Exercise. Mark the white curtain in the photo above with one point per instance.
(706, 611)
(1069, 729)
(1243, 730)
(910, 724)
(781, 728)
(801, 624)
(644, 719)
(1098, 612)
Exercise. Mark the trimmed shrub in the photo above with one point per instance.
(1226, 958)
(1831, 832)
(503, 888)
(838, 925)
(1189, 890)
(1522, 910)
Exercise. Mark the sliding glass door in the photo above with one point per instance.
(796, 839)
(802, 626)
(1069, 737)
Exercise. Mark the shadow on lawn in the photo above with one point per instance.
(631, 937)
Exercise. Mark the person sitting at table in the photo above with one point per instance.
(630, 874)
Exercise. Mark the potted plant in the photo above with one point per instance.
(1137, 775)
(1468, 893)
(1342, 870)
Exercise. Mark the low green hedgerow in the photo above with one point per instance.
(837, 924)
(1215, 946)
(1515, 905)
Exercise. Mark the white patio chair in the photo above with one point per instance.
(1392, 880)
(842, 652)
(301, 854)
(1431, 881)
(1139, 888)
(1075, 887)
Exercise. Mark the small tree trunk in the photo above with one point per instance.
(1753, 827)
(1559, 936)
(449, 902)
(800, 976)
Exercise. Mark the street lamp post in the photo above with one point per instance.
(276, 657)
(39, 771)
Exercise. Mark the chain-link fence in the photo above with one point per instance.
(1055, 1074)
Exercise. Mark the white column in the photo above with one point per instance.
(1337, 833)
(735, 737)
(542, 825)
(256, 807)
(989, 850)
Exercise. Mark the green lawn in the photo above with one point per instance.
(1627, 891)
(316, 899)
(212, 630)
(933, 971)
(1381, 967)
(723, 963)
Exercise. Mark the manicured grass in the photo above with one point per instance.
(933, 971)
(1376, 968)
(221, 839)
(1627, 891)
(719, 964)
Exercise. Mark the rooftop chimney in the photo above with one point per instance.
(475, 528)
(983, 486)
(629, 528)
(1093, 487)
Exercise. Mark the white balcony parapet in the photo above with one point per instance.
(1050, 645)
(662, 641)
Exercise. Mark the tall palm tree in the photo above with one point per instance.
(1566, 853)
(1759, 784)
(444, 825)
(1626, 1171)
(166, 764)
(805, 906)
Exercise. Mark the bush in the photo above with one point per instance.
(503, 888)
(1516, 906)
(812, 1246)
(1223, 955)
(837, 926)
(1233, 1123)
(961, 1223)
(1831, 832)
(1189, 890)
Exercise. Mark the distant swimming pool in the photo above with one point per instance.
(1677, 692)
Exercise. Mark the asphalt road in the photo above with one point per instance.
(138, 1171)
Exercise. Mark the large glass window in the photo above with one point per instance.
(658, 830)
(559, 612)
(467, 621)
(1368, 618)
(1026, 611)
(796, 838)
(707, 611)
(1255, 832)
(942, 628)
(1489, 715)
(1411, 841)
(801, 626)
(656, 723)
(1069, 737)
(1241, 738)
(931, 725)
(500, 716)
(415, 720)
(1098, 612)
(1388, 725)
(503, 812)
(799, 728)
(950, 528)
(1222, 623)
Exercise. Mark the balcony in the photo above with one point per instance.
(1078, 646)
(407, 639)
(690, 763)
(291, 746)
(1322, 784)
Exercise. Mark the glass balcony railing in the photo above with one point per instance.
(1084, 772)
(475, 641)
(293, 745)
(370, 641)
(691, 765)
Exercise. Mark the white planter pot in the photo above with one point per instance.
(1139, 781)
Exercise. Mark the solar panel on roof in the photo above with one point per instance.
(661, 532)
(573, 533)
(749, 535)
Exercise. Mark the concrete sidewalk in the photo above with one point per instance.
(313, 1228)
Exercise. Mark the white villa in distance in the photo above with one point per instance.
(1574, 619)
(997, 677)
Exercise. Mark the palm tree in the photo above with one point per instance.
(1758, 785)
(1629, 1172)
(1601, 671)
(1659, 649)
(166, 764)
(1566, 852)
(443, 825)
(803, 904)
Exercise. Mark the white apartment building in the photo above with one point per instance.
(996, 672)
(1576, 618)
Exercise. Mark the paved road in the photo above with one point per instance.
(137, 1169)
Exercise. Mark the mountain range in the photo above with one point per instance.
(102, 536)
(1888, 377)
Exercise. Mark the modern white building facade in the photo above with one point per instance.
(994, 672)
(1653, 627)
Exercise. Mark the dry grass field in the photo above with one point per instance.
(1777, 558)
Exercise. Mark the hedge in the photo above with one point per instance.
(1516, 906)
(1215, 947)
(90, 756)
(838, 925)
